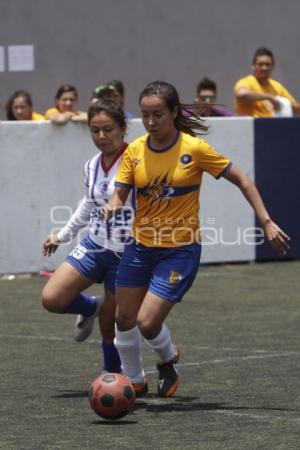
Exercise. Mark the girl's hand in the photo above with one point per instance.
(277, 238)
(106, 212)
(50, 245)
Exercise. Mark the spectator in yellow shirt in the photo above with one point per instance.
(65, 107)
(19, 107)
(258, 95)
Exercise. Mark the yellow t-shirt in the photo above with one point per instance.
(51, 111)
(37, 117)
(260, 108)
(168, 185)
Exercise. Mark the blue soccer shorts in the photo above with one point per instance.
(166, 272)
(95, 262)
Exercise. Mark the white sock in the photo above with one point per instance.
(128, 344)
(162, 345)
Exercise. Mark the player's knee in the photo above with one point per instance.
(50, 301)
(125, 321)
(147, 328)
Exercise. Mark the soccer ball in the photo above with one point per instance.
(112, 396)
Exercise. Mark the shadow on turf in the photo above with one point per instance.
(152, 403)
(85, 394)
(72, 394)
(114, 422)
(178, 403)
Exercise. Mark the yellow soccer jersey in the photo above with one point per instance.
(51, 111)
(37, 117)
(261, 108)
(168, 185)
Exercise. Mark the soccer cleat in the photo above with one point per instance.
(84, 325)
(140, 389)
(168, 380)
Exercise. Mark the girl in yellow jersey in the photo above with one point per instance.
(161, 261)
(19, 107)
(65, 109)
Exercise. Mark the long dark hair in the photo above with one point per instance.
(109, 108)
(188, 118)
(17, 94)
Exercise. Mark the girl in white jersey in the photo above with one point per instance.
(96, 258)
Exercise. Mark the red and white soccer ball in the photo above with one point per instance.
(112, 396)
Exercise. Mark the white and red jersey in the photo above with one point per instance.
(99, 181)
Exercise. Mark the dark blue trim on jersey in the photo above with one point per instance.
(225, 171)
(123, 185)
(95, 177)
(133, 198)
(163, 149)
(171, 191)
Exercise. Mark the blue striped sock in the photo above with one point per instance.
(111, 357)
(83, 304)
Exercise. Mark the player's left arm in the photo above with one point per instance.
(123, 185)
(296, 108)
(277, 238)
(294, 103)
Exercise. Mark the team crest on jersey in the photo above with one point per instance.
(185, 159)
(103, 187)
(175, 277)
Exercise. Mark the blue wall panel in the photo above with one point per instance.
(277, 165)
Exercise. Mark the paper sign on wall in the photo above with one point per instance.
(2, 62)
(20, 58)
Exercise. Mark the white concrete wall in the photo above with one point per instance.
(41, 170)
(227, 219)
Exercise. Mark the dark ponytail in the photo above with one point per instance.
(188, 117)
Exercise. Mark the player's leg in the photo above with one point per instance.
(128, 339)
(151, 317)
(173, 274)
(112, 362)
(134, 274)
(62, 292)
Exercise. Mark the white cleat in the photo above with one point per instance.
(84, 325)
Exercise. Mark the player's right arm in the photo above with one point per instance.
(248, 96)
(50, 244)
(78, 220)
(115, 203)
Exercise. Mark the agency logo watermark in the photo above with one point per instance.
(158, 230)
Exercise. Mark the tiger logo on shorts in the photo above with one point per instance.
(175, 277)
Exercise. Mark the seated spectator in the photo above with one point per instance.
(19, 107)
(258, 95)
(65, 107)
(121, 91)
(105, 92)
(112, 90)
(206, 93)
